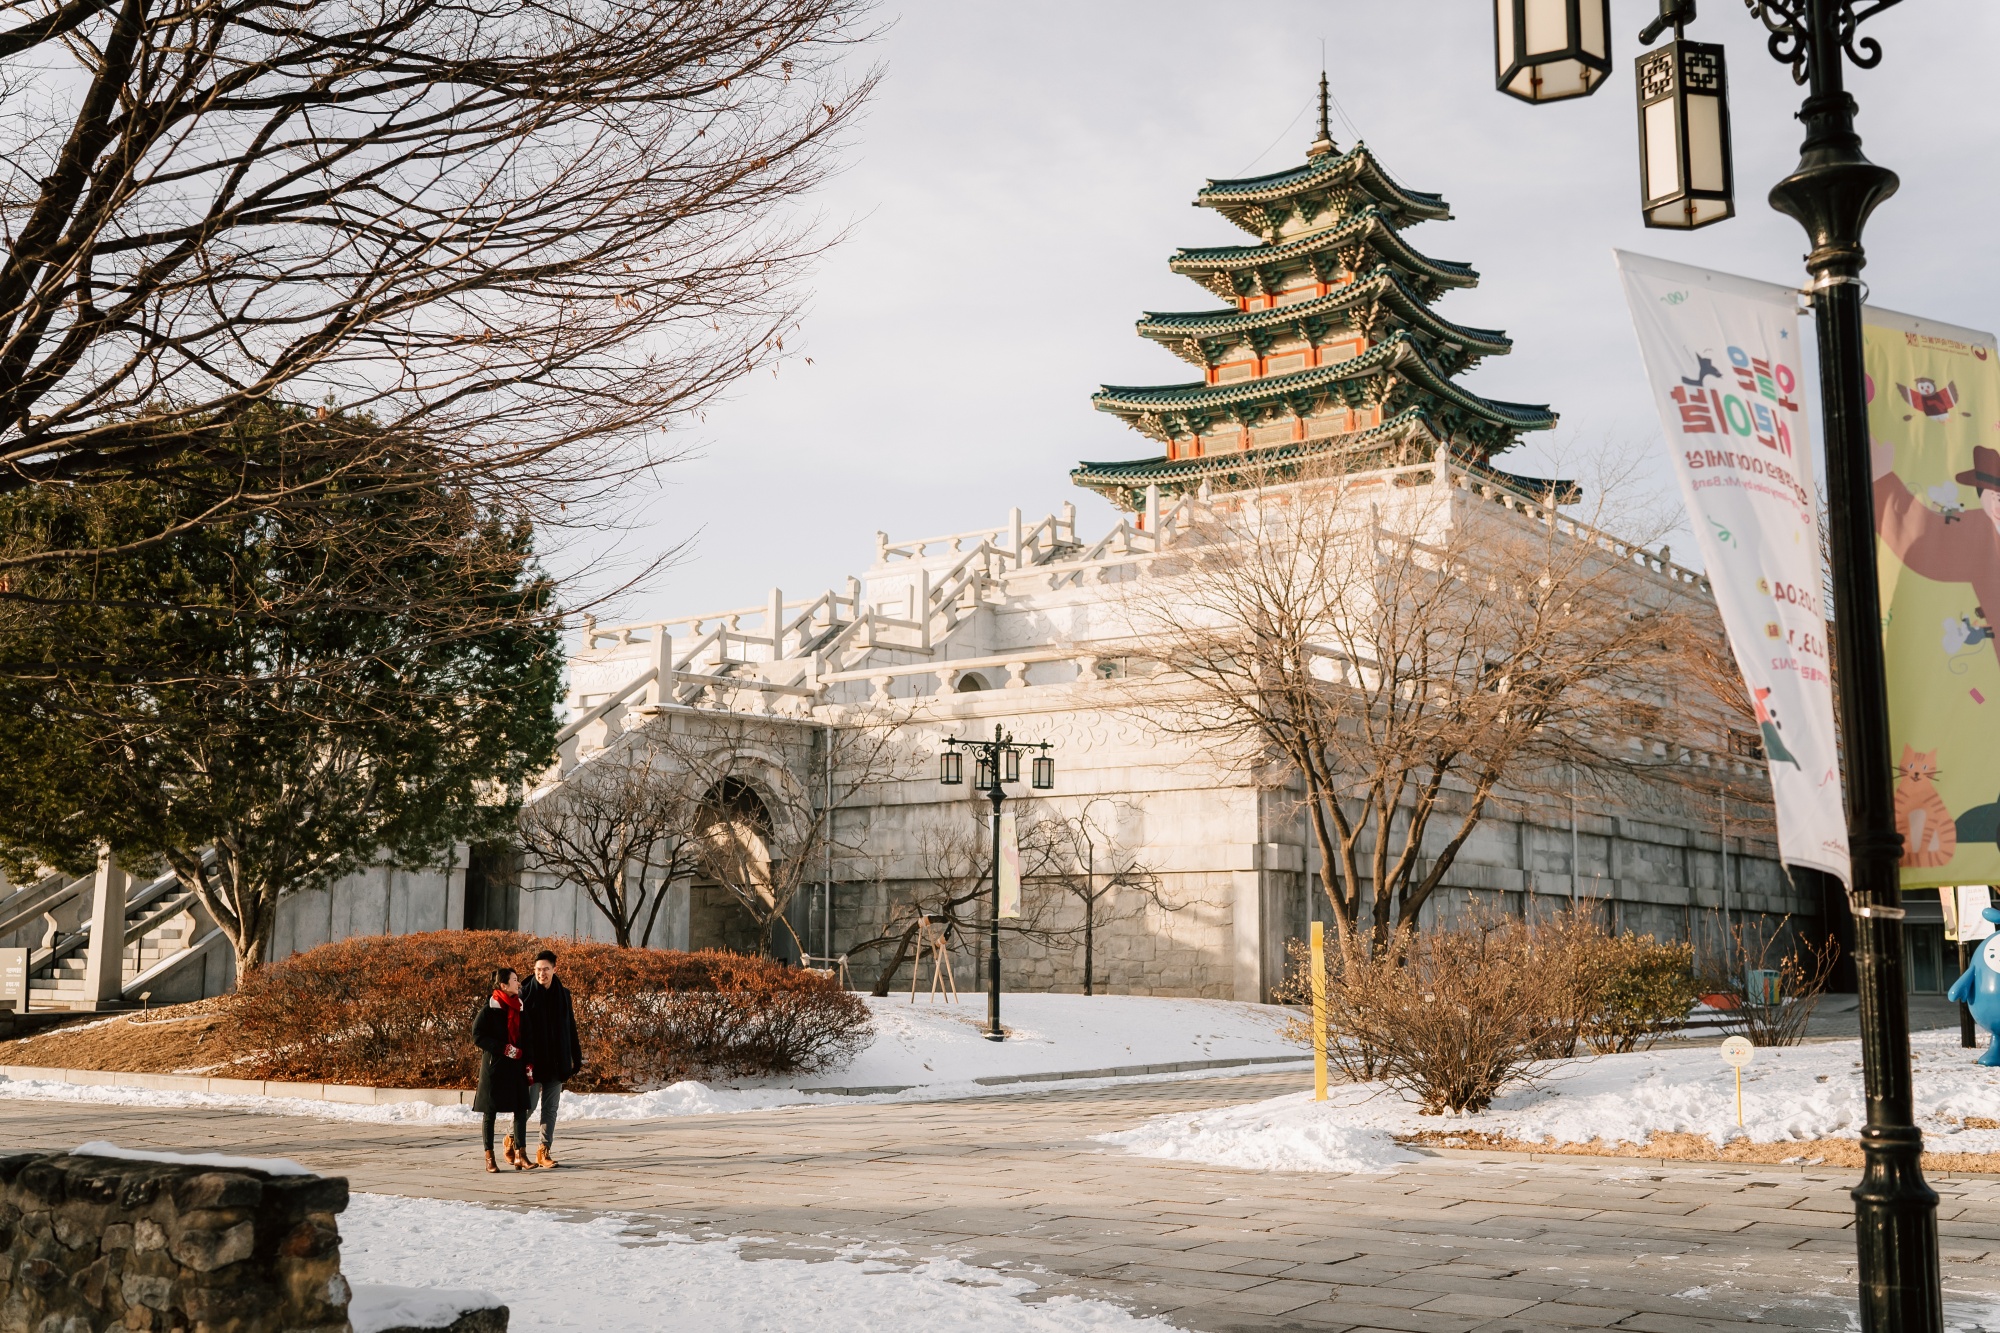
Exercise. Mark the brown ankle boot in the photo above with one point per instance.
(543, 1160)
(489, 1161)
(515, 1157)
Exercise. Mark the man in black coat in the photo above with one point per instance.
(555, 1055)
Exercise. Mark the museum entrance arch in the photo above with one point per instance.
(736, 826)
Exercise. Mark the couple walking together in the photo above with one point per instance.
(526, 1035)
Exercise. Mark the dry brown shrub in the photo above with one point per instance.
(1453, 1015)
(396, 1011)
(1804, 967)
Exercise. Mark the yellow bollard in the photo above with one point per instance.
(1319, 1009)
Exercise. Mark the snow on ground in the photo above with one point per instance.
(607, 1276)
(270, 1166)
(1790, 1094)
(932, 1048)
(376, 1307)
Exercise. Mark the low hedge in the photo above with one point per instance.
(396, 1011)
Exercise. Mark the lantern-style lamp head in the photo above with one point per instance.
(982, 772)
(951, 768)
(1011, 764)
(1686, 177)
(1548, 50)
(1043, 772)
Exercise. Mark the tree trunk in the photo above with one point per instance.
(887, 976)
(1089, 941)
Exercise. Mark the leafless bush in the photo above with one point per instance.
(1804, 966)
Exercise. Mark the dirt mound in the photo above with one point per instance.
(173, 1039)
(1700, 1148)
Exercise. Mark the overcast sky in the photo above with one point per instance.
(1015, 191)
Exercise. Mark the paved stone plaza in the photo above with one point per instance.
(1461, 1242)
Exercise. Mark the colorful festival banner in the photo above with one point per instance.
(1934, 424)
(1724, 359)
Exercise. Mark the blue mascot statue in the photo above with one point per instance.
(1980, 988)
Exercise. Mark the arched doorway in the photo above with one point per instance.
(736, 828)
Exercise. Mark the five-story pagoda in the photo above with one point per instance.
(1327, 349)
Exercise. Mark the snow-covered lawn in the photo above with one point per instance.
(1790, 1094)
(606, 1276)
(932, 1049)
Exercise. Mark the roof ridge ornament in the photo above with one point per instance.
(1322, 146)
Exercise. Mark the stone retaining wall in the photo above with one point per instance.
(97, 1243)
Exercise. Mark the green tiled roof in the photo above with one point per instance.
(1220, 268)
(1397, 353)
(1185, 331)
(1248, 201)
(1126, 481)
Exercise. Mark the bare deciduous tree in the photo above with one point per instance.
(622, 827)
(765, 840)
(1081, 855)
(1406, 655)
(500, 243)
(954, 890)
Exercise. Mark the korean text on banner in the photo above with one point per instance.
(1010, 869)
(1934, 428)
(1723, 356)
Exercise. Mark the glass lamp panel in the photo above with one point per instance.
(1706, 151)
(1663, 150)
(951, 768)
(1545, 28)
(982, 772)
(1524, 83)
(1593, 27)
(1044, 773)
(1564, 78)
(1010, 764)
(1503, 39)
(1704, 211)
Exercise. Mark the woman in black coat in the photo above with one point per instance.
(503, 1066)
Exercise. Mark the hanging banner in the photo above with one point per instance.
(1965, 912)
(1724, 359)
(1934, 428)
(1010, 869)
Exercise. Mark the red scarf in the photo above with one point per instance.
(513, 1006)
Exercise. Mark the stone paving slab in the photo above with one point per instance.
(1453, 1243)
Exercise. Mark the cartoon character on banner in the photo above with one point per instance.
(1980, 988)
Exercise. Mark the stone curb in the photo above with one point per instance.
(356, 1095)
(1056, 1076)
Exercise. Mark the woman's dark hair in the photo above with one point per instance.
(503, 975)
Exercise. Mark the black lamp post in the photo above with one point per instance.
(995, 763)
(1831, 194)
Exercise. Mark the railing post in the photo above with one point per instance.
(104, 958)
(923, 608)
(774, 621)
(661, 690)
(1068, 521)
(1153, 512)
(1014, 525)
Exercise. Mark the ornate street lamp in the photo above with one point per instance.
(995, 763)
(1686, 178)
(1831, 193)
(1549, 50)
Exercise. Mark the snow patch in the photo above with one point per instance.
(606, 1275)
(270, 1166)
(1790, 1094)
(377, 1306)
(1290, 1133)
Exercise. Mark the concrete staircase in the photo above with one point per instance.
(162, 925)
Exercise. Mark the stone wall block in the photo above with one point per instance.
(89, 1245)
(211, 1244)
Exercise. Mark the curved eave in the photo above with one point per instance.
(1357, 164)
(1205, 262)
(1397, 353)
(1382, 285)
(1149, 471)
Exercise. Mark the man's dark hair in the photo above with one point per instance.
(546, 956)
(501, 976)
